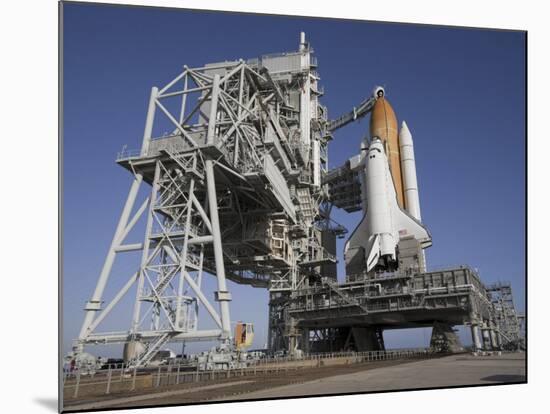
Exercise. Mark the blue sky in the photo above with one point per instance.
(461, 92)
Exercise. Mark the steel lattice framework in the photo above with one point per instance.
(240, 163)
(508, 323)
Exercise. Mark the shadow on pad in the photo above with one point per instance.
(505, 378)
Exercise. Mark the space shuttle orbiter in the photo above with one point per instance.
(384, 223)
(390, 198)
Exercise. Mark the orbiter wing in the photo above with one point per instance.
(406, 225)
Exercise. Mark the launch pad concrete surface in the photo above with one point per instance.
(449, 371)
(455, 370)
(134, 400)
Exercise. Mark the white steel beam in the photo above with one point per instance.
(149, 121)
(145, 254)
(218, 251)
(113, 302)
(94, 303)
(122, 337)
(210, 135)
(133, 221)
(129, 247)
(183, 256)
(176, 124)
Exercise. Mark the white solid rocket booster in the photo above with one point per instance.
(408, 168)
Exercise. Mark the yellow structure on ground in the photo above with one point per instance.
(244, 335)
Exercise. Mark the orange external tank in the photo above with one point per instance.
(383, 124)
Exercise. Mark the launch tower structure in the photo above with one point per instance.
(234, 191)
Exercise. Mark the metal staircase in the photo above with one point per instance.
(152, 350)
(306, 204)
